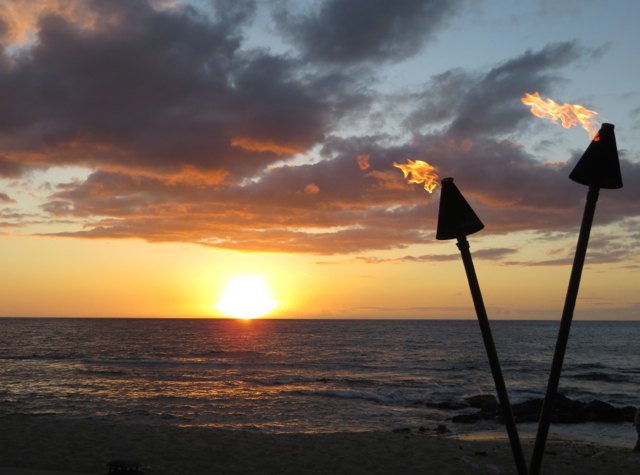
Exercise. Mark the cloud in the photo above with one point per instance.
(264, 146)
(603, 249)
(311, 189)
(356, 210)
(483, 254)
(488, 103)
(190, 136)
(363, 161)
(352, 31)
(493, 253)
(161, 89)
(4, 198)
(20, 18)
(11, 169)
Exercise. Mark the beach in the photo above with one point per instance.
(78, 446)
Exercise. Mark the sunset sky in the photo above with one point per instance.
(151, 151)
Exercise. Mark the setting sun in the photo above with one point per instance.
(246, 297)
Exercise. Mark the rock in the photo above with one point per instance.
(565, 411)
(450, 405)
(469, 461)
(600, 411)
(481, 454)
(129, 466)
(492, 469)
(488, 413)
(528, 411)
(481, 401)
(404, 430)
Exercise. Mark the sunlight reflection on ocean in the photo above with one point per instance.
(296, 375)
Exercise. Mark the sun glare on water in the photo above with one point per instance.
(246, 297)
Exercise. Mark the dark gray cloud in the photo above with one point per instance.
(353, 31)
(488, 103)
(163, 90)
(234, 12)
(603, 249)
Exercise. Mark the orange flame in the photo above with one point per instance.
(568, 114)
(420, 171)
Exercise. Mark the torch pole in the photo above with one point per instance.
(492, 354)
(563, 333)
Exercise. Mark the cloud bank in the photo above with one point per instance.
(192, 136)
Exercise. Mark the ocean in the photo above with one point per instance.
(299, 375)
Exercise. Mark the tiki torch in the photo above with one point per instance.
(456, 220)
(598, 168)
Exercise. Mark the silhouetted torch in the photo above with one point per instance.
(456, 220)
(598, 168)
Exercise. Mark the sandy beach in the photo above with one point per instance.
(38, 443)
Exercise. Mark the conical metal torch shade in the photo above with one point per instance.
(455, 217)
(600, 165)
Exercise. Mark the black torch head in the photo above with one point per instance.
(455, 217)
(600, 165)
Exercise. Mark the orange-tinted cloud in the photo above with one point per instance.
(389, 180)
(352, 213)
(311, 189)
(21, 17)
(264, 146)
(464, 145)
(363, 161)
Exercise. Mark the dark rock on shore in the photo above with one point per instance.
(442, 429)
(482, 401)
(565, 411)
(450, 405)
(404, 430)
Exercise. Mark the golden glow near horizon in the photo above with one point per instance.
(53, 277)
(246, 297)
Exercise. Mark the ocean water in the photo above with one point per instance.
(297, 375)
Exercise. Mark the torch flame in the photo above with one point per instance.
(420, 171)
(568, 114)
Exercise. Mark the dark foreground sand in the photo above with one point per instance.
(85, 447)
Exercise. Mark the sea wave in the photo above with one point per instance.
(225, 353)
(588, 366)
(599, 376)
(394, 397)
(54, 357)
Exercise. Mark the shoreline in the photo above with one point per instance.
(77, 446)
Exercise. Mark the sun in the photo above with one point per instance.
(246, 297)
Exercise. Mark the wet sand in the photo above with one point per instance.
(30, 443)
